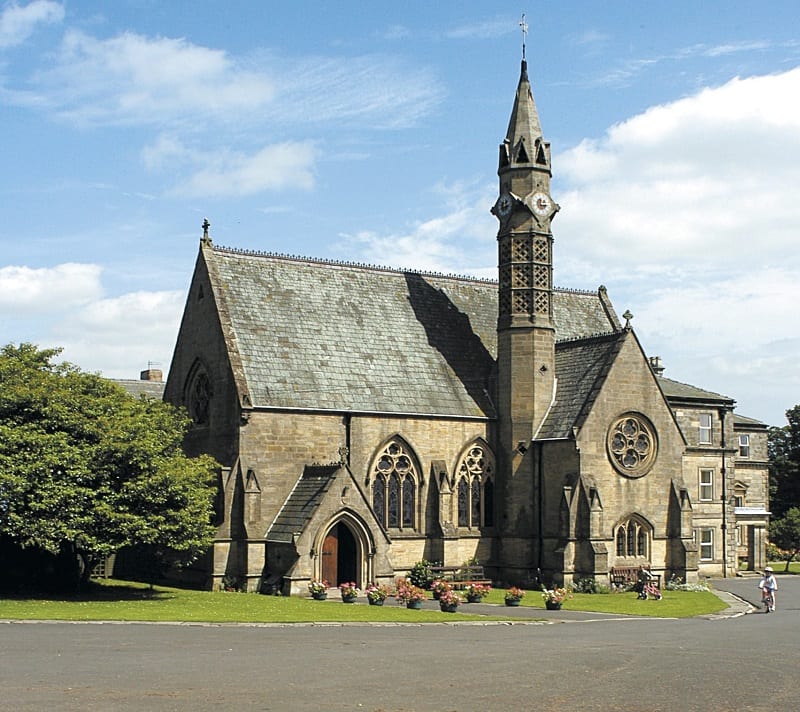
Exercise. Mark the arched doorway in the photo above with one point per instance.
(340, 556)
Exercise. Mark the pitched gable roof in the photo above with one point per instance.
(324, 335)
(582, 366)
(302, 502)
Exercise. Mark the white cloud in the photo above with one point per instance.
(136, 80)
(119, 336)
(230, 173)
(26, 291)
(458, 242)
(17, 23)
(131, 79)
(377, 91)
(707, 179)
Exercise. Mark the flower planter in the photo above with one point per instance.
(448, 607)
(552, 605)
(377, 602)
(321, 596)
(415, 605)
(512, 601)
(474, 599)
(349, 599)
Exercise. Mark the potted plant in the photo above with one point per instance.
(449, 601)
(377, 594)
(408, 593)
(513, 596)
(349, 592)
(554, 597)
(476, 592)
(318, 589)
(438, 587)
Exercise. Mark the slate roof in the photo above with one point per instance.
(744, 421)
(302, 502)
(324, 335)
(683, 391)
(582, 366)
(151, 389)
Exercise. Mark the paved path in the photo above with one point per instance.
(590, 662)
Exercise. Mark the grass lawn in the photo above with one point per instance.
(780, 567)
(674, 604)
(126, 601)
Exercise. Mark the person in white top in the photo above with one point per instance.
(768, 586)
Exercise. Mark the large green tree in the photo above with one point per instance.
(784, 464)
(87, 468)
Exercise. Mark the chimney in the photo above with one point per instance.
(151, 374)
(656, 365)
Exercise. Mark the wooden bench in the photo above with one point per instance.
(460, 576)
(628, 575)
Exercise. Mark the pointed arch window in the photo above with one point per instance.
(198, 394)
(633, 539)
(475, 487)
(395, 488)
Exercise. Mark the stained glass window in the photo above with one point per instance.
(395, 487)
(475, 488)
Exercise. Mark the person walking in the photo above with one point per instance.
(768, 586)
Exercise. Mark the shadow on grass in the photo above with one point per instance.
(94, 592)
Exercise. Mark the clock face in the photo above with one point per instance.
(504, 205)
(542, 204)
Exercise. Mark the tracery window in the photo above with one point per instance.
(633, 539)
(475, 488)
(632, 445)
(395, 488)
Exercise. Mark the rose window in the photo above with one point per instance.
(632, 445)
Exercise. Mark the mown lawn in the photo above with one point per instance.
(780, 567)
(126, 601)
(673, 604)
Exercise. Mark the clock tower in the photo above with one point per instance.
(525, 331)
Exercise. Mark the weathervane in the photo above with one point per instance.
(524, 26)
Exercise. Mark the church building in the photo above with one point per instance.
(366, 418)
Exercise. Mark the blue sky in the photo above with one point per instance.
(368, 132)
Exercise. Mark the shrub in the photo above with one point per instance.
(590, 585)
(421, 574)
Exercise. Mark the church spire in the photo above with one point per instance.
(524, 123)
(524, 142)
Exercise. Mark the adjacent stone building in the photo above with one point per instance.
(366, 418)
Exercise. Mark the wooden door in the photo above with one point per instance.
(330, 557)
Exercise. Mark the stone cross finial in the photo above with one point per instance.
(524, 27)
(627, 316)
(206, 225)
